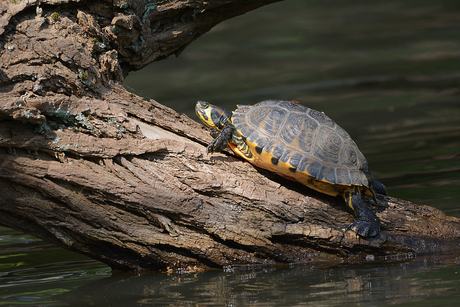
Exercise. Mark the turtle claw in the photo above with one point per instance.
(365, 228)
(211, 148)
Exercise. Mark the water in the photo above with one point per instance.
(388, 72)
(28, 277)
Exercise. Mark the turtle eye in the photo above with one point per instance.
(204, 104)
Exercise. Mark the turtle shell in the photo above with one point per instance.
(301, 144)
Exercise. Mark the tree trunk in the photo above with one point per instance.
(95, 169)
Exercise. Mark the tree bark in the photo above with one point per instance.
(97, 170)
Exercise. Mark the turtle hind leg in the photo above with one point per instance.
(366, 223)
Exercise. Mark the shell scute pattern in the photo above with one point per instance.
(305, 139)
(306, 136)
(278, 150)
(348, 156)
(321, 118)
(295, 159)
(262, 141)
(289, 105)
(298, 132)
(253, 137)
(313, 168)
(286, 155)
(327, 173)
(273, 121)
(291, 128)
(246, 130)
(327, 145)
(269, 146)
(356, 178)
(343, 175)
(256, 118)
(236, 120)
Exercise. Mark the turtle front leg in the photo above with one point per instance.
(222, 139)
(366, 224)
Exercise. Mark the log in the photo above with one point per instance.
(90, 167)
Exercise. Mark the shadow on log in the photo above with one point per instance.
(97, 170)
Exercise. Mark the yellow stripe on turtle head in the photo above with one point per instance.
(210, 114)
(203, 111)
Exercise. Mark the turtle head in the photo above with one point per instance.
(213, 116)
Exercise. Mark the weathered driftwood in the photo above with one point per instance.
(92, 168)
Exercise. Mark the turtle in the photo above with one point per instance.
(300, 144)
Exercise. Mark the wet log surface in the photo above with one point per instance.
(97, 170)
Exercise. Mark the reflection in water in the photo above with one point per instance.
(28, 278)
(381, 284)
(32, 272)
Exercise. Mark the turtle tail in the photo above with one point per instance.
(379, 188)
